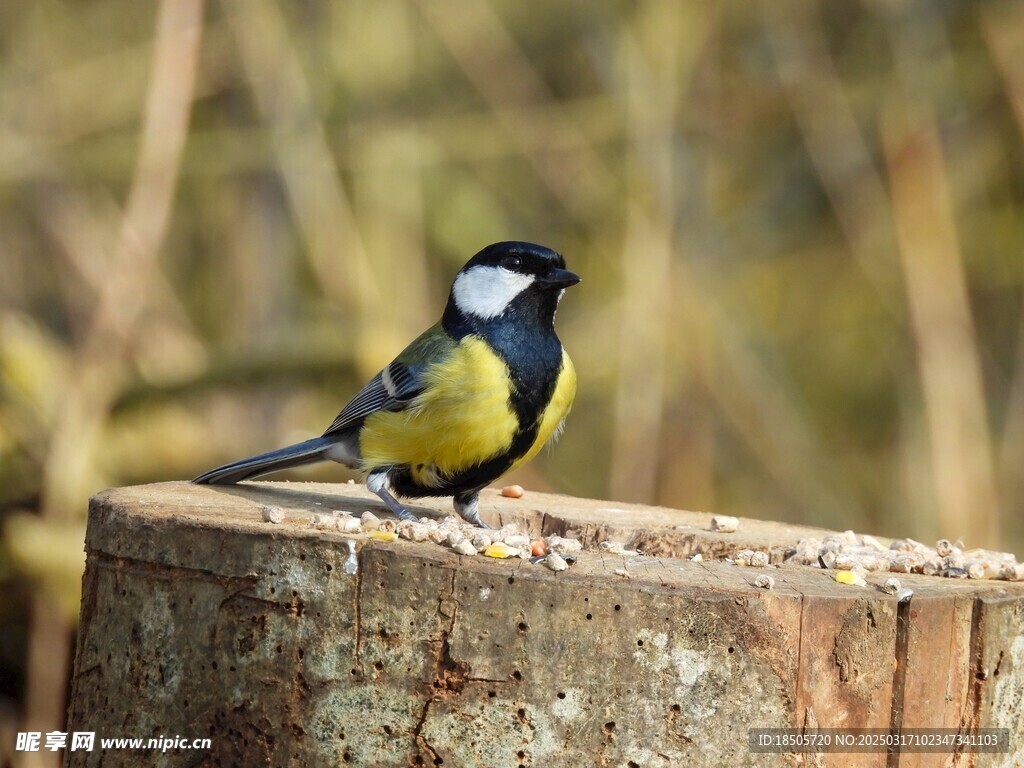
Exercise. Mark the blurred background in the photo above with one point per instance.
(799, 225)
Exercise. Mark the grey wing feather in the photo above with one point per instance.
(390, 390)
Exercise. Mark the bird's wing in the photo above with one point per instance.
(390, 390)
(395, 387)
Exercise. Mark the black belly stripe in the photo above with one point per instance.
(476, 477)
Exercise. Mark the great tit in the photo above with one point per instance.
(472, 398)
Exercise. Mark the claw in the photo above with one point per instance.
(467, 509)
(378, 484)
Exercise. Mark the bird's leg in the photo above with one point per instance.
(378, 483)
(466, 504)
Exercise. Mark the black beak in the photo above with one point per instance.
(559, 278)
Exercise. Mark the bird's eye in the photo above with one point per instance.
(511, 263)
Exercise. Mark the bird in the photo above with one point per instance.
(473, 397)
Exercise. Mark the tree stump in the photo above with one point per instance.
(200, 620)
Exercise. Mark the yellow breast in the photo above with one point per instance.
(461, 419)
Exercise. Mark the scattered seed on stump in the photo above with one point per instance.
(272, 515)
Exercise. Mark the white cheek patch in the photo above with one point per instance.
(486, 292)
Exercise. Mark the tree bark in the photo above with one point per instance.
(199, 620)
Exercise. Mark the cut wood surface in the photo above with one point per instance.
(200, 620)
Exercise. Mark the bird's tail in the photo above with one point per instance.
(293, 456)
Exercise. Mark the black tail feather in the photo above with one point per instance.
(296, 455)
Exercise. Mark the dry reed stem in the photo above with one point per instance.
(99, 363)
(948, 360)
(650, 63)
(1004, 35)
(77, 225)
(835, 143)
(508, 81)
(318, 199)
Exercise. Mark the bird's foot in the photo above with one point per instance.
(396, 506)
(467, 508)
(402, 512)
(378, 484)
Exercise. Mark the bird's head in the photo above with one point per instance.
(508, 276)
